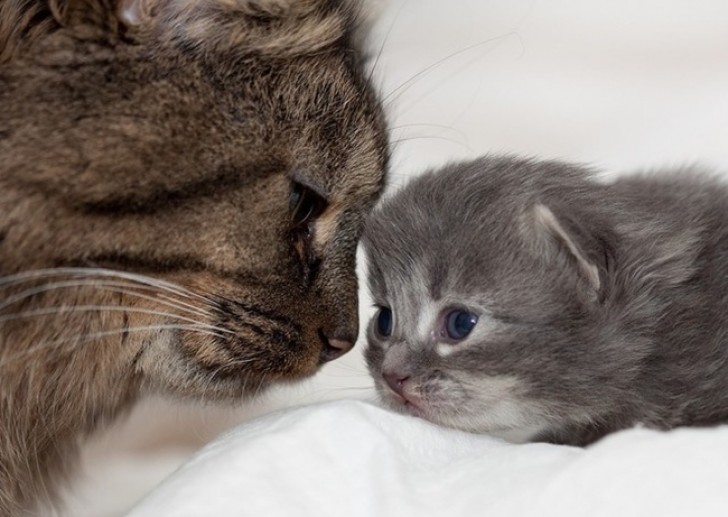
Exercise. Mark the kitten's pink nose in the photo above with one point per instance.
(396, 381)
(333, 348)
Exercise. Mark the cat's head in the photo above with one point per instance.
(229, 147)
(492, 279)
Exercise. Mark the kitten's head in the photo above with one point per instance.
(491, 279)
(231, 147)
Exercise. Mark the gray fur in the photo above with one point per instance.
(608, 314)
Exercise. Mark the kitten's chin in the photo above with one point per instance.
(407, 406)
(523, 434)
(477, 424)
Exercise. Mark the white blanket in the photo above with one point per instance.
(350, 458)
(621, 84)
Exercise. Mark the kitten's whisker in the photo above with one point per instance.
(338, 389)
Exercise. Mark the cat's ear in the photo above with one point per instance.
(279, 28)
(134, 13)
(554, 238)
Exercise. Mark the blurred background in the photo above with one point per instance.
(622, 85)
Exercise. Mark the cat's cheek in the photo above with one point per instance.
(192, 365)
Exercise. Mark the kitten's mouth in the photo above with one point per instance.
(405, 402)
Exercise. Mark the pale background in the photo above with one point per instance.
(621, 84)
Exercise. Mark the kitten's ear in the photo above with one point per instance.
(553, 236)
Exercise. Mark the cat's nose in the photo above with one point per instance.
(334, 347)
(396, 381)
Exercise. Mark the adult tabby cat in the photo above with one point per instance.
(182, 189)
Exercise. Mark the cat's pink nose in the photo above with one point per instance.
(333, 348)
(396, 381)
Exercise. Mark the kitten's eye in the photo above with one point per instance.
(384, 322)
(459, 323)
(305, 204)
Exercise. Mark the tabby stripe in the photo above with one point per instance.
(257, 311)
(219, 369)
(125, 329)
(149, 264)
(214, 370)
(160, 200)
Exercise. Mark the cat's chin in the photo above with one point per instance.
(174, 365)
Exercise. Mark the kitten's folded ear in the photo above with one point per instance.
(562, 238)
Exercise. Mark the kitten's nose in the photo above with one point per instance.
(333, 347)
(396, 381)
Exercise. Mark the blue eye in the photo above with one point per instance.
(459, 323)
(384, 321)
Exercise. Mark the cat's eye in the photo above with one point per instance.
(305, 204)
(384, 322)
(459, 323)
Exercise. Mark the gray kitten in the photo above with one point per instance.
(525, 299)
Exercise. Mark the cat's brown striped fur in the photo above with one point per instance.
(166, 149)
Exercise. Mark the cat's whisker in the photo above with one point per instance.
(397, 92)
(430, 137)
(99, 272)
(179, 304)
(69, 310)
(108, 286)
(78, 340)
(426, 125)
(384, 41)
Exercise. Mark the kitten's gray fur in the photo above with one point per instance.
(601, 306)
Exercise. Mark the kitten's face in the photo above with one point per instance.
(480, 326)
(230, 147)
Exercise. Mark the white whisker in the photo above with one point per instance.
(402, 88)
(384, 41)
(200, 328)
(100, 272)
(108, 286)
(65, 309)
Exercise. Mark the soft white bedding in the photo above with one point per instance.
(353, 459)
(621, 84)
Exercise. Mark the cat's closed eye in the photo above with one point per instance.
(305, 204)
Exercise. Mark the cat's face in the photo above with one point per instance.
(489, 319)
(230, 147)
